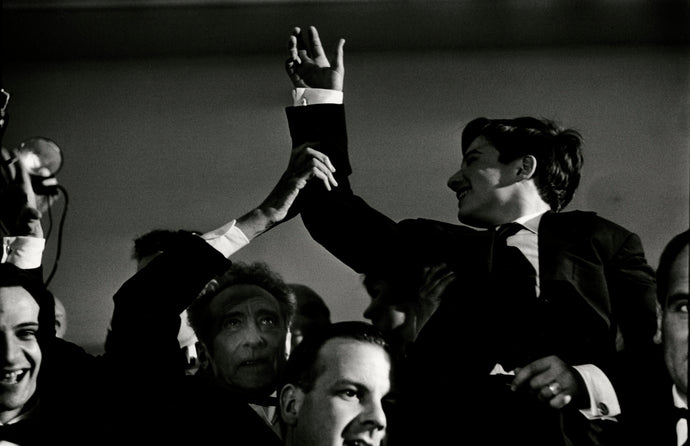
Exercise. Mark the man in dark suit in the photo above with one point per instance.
(658, 396)
(138, 392)
(673, 290)
(529, 350)
(241, 319)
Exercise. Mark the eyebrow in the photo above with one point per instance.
(258, 312)
(477, 149)
(349, 382)
(27, 325)
(676, 297)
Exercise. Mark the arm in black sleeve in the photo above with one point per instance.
(358, 235)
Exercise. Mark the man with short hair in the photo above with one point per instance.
(336, 385)
(658, 396)
(528, 335)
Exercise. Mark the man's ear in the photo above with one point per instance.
(291, 398)
(202, 355)
(658, 336)
(527, 167)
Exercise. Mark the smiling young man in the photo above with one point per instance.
(335, 388)
(527, 336)
(20, 353)
(51, 391)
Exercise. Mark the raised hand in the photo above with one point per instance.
(19, 213)
(306, 163)
(434, 282)
(307, 64)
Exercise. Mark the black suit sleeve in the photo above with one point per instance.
(358, 235)
(147, 307)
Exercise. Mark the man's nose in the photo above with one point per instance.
(455, 180)
(8, 349)
(253, 334)
(374, 416)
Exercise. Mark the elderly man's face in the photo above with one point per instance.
(20, 354)
(248, 348)
(675, 322)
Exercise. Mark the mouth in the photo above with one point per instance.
(356, 442)
(13, 377)
(255, 362)
(462, 193)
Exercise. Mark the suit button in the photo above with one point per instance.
(603, 409)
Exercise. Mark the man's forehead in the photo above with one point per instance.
(244, 294)
(14, 298)
(479, 144)
(343, 360)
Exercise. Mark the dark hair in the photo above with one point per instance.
(156, 240)
(303, 367)
(30, 280)
(558, 152)
(668, 256)
(257, 273)
(311, 306)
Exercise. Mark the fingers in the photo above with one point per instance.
(314, 44)
(436, 278)
(549, 379)
(292, 49)
(338, 60)
(555, 395)
(297, 32)
(534, 370)
(560, 401)
(308, 162)
(322, 168)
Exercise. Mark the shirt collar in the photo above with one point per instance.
(531, 221)
(678, 399)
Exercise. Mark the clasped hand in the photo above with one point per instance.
(551, 380)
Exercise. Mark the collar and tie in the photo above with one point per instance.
(263, 400)
(499, 241)
(507, 230)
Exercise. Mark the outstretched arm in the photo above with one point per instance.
(305, 163)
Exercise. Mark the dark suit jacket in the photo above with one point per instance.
(649, 418)
(597, 290)
(171, 405)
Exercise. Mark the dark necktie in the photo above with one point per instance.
(21, 432)
(502, 255)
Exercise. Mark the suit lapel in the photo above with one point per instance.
(562, 237)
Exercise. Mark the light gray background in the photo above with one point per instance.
(171, 125)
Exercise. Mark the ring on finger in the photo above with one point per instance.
(554, 388)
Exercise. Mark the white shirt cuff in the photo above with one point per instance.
(603, 401)
(228, 239)
(25, 252)
(310, 96)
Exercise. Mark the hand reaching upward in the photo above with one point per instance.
(307, 64)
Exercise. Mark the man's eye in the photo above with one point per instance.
(27, 334)
(678, 304)
(231, 323)
(681, 307)
(469, 160)
(269, 321)
(348, 393)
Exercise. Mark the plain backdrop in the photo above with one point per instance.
(194, 139)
